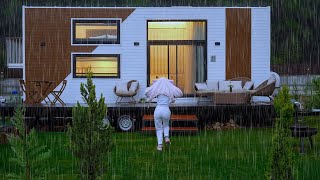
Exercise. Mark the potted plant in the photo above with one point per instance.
(142, 100)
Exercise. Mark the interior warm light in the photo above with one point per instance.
(171, 24)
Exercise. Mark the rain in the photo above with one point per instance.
(76, 76)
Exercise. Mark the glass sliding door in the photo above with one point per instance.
(177, 51)
(184, 64)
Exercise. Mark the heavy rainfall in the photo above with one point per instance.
(163, 89)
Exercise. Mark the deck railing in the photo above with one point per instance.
(14, 52)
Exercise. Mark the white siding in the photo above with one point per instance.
(133, 59)
(260, 44)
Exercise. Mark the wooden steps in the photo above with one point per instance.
(179, 123)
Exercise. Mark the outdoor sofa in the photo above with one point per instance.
(243, 90)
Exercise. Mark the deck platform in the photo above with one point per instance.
(205, 111)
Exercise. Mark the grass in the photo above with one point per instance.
(232, 154)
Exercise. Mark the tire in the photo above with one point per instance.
(125, 123)
(106, 121)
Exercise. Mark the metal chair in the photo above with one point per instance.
(57, 94)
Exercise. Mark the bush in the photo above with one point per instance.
(313, 101)
(281, 159)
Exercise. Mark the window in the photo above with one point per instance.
(102, 65)
(177, 30)
(95, 31)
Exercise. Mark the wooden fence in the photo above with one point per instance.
(296, 69)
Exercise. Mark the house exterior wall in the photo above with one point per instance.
(260, 43)
(133, 59)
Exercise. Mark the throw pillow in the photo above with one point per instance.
(248, 85)
(122, 87)
(212, 85)
(236, 85)
(201, 86)
(270, 80)
(133, 87)
(224, 85)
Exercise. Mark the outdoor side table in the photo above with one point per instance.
(301, 132)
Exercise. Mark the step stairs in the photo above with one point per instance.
(179, 123)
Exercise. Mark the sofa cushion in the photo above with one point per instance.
(122, 87)
(248, 85)
(133, 87)
(224, 85)
(201, 86)
(212, 85)
(260, 99)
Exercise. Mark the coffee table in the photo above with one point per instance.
(227, 97)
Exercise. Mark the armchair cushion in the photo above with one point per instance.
(133, 87)
(122, 87)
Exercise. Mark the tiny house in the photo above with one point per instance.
(185, 44)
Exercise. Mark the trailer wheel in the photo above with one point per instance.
(106, 121)
(125, 123)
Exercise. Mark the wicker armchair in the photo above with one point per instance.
(128, 94)
(264, 89)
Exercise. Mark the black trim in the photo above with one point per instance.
(94, 41)
(74, 56)
(177, 42)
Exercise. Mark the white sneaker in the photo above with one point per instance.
(159, 147)
(167, 140)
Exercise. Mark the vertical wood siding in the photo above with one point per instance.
(238, 45)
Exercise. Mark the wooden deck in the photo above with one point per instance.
(205, 111)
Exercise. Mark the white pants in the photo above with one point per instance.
(161, 122)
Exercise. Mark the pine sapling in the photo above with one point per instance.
(30, 156)
(90, 139)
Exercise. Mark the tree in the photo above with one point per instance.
(90, 138)
(29, 154)
(281, 159)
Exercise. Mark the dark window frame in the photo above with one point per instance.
(94, 41)
(74, 61)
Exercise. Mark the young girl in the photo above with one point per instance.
(166, 93)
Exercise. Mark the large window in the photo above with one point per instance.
(95, 31)
(177, 50)
(101, 65)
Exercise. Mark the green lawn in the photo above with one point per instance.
(232, 154)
